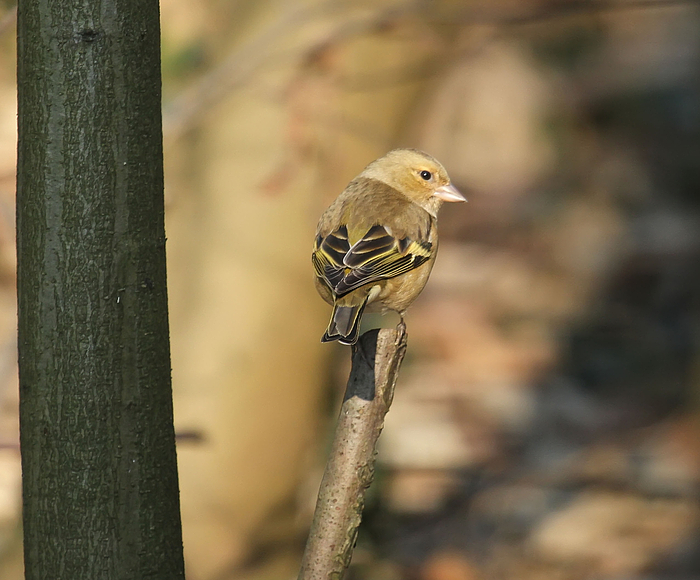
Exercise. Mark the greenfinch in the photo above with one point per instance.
(376, 244)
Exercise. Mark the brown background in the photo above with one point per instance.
(546, 419)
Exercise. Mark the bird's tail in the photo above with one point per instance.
(345, 323)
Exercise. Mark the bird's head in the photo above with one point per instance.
(417, 175)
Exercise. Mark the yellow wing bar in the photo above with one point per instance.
(377, 256)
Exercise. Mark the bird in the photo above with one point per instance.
(376, 243)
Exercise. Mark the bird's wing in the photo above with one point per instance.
(378, 255)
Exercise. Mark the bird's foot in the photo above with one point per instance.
(400, 328)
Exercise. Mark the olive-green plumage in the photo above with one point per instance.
(376, 244)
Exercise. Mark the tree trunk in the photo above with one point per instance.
(98, 450)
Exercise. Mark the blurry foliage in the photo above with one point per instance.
(566, 47)
(182, 62)
(664, 125)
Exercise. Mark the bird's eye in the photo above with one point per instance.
(426, 175)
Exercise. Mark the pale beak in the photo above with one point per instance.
(449, 193)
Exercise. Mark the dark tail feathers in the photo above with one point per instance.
(345, 324)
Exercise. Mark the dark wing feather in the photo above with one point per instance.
(374, 244)
(377, 256)
(328, 256)
(336, 245)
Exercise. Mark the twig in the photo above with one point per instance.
(267, 50)
(236, 69)
(350, 469)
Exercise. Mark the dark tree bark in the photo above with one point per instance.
(98, 448)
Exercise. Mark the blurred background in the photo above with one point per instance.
(546, 423)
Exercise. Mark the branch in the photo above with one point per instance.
(350, 469)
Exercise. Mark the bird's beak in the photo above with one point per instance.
(449, 193)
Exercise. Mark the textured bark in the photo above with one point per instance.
(100, 486)
(350, 469)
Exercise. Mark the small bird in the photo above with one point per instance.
(376, 244)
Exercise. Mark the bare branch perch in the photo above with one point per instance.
(350, 469)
